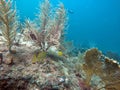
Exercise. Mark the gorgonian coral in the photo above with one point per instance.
(108, 70)
(49, 28)
(8, 22)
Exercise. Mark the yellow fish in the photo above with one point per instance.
(60, 53)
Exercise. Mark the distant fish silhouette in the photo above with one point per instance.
(71, 11)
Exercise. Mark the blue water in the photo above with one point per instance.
(94, 21)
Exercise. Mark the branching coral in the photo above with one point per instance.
(49, 27)
(31, 31)
(57, 27)
(8, 22)
(44, 15)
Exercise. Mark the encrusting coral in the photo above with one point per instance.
(39, 57)
(8, 22)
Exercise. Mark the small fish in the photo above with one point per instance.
(33, 37)
(71, 11)
(60, 53)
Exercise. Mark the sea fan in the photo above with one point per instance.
(8, 22)
(106, 69)
(111, 74)
(92, 63)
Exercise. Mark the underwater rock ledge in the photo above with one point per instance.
(89, 71)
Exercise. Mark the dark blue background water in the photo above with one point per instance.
(93, 21)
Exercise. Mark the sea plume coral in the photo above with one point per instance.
(49, 28)
(43, 16)
(8, 22)
(58, 25)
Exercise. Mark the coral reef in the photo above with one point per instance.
(44, 61)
